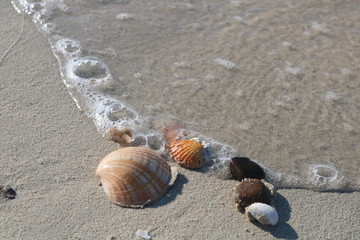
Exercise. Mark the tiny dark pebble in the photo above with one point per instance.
(7, 192)
(242, 167)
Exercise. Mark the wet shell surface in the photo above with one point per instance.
(134, 176)
(243, 167)
(263, 213)
(187, 153)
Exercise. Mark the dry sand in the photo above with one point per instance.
(50, 150)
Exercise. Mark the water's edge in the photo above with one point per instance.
(88, 80)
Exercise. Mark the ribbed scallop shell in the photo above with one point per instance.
(134, 176)
(187, 153)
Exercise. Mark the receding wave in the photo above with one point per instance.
(266, 78)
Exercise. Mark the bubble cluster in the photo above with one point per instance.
(68, 48)
(90, 68)
(118, 112)
(219, 154)
(326, 177)
(41, 11)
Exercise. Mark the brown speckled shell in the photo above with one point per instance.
(134, 176)
(187, 153)
(249, 191)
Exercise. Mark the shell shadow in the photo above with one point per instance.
(282, 230)
(172, 193)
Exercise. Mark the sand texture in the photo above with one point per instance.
(50, 150)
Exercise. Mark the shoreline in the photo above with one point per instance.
(50, 151)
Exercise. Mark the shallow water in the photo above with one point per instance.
(276, 80)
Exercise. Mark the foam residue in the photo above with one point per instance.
(324, 177)
(218, 154)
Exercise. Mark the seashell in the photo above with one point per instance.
(249, 191)
(187, 153)
(263, 213)
(135, 176)
(242, 167)
(7, 192)
(123, 136)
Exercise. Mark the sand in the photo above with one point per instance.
(50, 150)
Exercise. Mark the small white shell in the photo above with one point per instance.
(263, 213)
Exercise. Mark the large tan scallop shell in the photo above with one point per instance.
(134, 176)
(187, 153)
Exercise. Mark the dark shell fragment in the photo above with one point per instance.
(242, 167)
(7, 192)
(250, 191)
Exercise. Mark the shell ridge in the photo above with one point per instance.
(150, 178)
(134, 176)
(161, 170)
(189, 155)
(141, 179)
(164, 169)
(120, 187)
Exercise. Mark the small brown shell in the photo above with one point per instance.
(134, 176)
(187, 153)
(249, 191)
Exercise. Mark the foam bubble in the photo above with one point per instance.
(68, 47)
(109, 112)
(119, 111)
(48, 27)
(90, 68)
(41, 10)
(324, 176)
(219, 154)
(155, 141)
(36, 6)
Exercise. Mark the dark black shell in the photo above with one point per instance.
(242, 167)
(7, 192)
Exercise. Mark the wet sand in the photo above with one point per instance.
(50, 150)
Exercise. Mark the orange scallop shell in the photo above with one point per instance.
(187, 153)
(134, 176)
